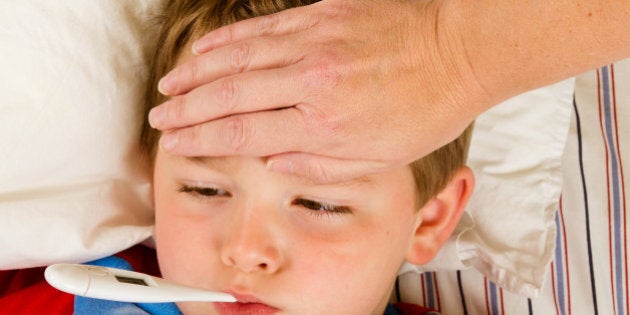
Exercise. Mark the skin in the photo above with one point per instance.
(330, 68)
(230, 224)
(288, 243)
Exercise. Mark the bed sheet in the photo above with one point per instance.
(589, 272)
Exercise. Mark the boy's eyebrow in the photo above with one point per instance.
(224, 164)
(220, 163)
(362, 181)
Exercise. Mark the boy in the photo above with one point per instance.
(280, 244)
(283, 244)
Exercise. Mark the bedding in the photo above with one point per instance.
(588, 273)
(508, 230)
(73, 188)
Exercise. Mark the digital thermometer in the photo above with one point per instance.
(124, 286)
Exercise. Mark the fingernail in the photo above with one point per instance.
(281, 166)
(200, 46)
(196, 49)
(168, 141)
(167, 84)
(156, 117)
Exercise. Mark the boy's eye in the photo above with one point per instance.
(204, 191)
(320, 206)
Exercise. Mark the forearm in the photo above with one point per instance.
(515, 45)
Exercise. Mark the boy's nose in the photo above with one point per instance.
(251, 247)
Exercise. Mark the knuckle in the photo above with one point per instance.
(325, 72)
(226, 93)
(337, 8)
(237, 133)
(240, 57)
(331, 14)
(332, 11)
(224, 34)
(320, 120)
(268, 24)
(194, 71)
(176, 111)
(191, 138)
(195, 135)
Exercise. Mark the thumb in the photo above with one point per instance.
(322, 169)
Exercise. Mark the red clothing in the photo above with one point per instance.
(25, 291)
(413, 309)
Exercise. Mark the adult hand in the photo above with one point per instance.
(340, 88)
(329, 91)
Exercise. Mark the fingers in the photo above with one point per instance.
(257, 134)
(287, 21)
(253, 54)
(269, 134)
(246, 92)
(322, 169)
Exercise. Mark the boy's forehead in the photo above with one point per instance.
(231, 164)
(221, 163)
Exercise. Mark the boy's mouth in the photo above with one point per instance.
(246, 304)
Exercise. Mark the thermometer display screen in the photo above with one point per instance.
(129, 280)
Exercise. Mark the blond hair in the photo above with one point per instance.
(186, 20)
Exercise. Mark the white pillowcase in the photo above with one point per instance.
(73, 189)
(71, 184)
(508, 231)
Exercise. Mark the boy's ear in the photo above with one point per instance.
(438, 217)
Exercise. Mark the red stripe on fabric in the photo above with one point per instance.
(485, 286)
(501, 299)
(610, 220)
(407, 308)
(566, 257)
(611, 258)
(623, 185)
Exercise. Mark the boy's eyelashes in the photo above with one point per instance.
(204, 191)
(315, 206)
(320, 206)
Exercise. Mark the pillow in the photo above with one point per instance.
(508, 230)
(71, 185)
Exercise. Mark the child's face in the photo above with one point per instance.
(279, 243)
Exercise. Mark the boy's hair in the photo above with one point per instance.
(183, 21)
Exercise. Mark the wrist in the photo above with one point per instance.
(514, 46)
(461, 85)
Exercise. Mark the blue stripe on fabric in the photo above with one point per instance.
(428, 280)
(609, 121)
(559, 264)
(494, 302)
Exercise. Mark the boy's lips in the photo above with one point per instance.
(247, 304)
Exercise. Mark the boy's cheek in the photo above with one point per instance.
(178, 254)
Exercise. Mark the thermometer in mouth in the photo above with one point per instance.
(124, 286)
